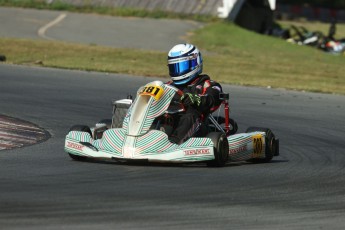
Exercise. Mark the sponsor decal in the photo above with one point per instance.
(258, 146)
(75, 146)
(196, 152)
(237, 150)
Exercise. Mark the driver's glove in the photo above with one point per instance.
(189, 99)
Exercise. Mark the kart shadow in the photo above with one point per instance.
(245, 163)
(144, 163)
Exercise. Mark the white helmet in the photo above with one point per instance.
(185, 63)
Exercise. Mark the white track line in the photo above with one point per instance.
(43, 29)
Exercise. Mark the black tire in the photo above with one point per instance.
(234, 126)
(107, 122)
(271, 144)
(221, 122)
(82, 128)
(221, 149)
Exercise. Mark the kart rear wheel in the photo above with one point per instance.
(272, 144)
(221, 149)
(83, 128)
(234, 126)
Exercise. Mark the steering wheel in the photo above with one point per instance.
(176, 105)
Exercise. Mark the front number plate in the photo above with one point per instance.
(153, 91)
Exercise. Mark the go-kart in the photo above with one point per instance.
(138, 131)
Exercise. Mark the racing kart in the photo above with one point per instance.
(139, 131)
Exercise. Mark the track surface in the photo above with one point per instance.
(138, 33)
(42, 188)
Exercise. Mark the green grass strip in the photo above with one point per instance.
(311, 71)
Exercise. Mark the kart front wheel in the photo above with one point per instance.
(106, 122)
(83, 128)
(221, 149)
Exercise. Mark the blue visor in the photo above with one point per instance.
(181, 68)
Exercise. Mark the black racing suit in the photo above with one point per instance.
(186, 124)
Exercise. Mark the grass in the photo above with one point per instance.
(83, 57)
(316, 26)
(231, 55)
(247, 58)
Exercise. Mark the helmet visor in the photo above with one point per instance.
(180, 68)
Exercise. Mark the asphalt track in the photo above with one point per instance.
(42, 188)
(92, 29)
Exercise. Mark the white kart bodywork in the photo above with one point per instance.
(135, 140)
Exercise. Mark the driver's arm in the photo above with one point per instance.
(210, 100)
(205, 101)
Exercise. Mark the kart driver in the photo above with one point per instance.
(201, 94)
